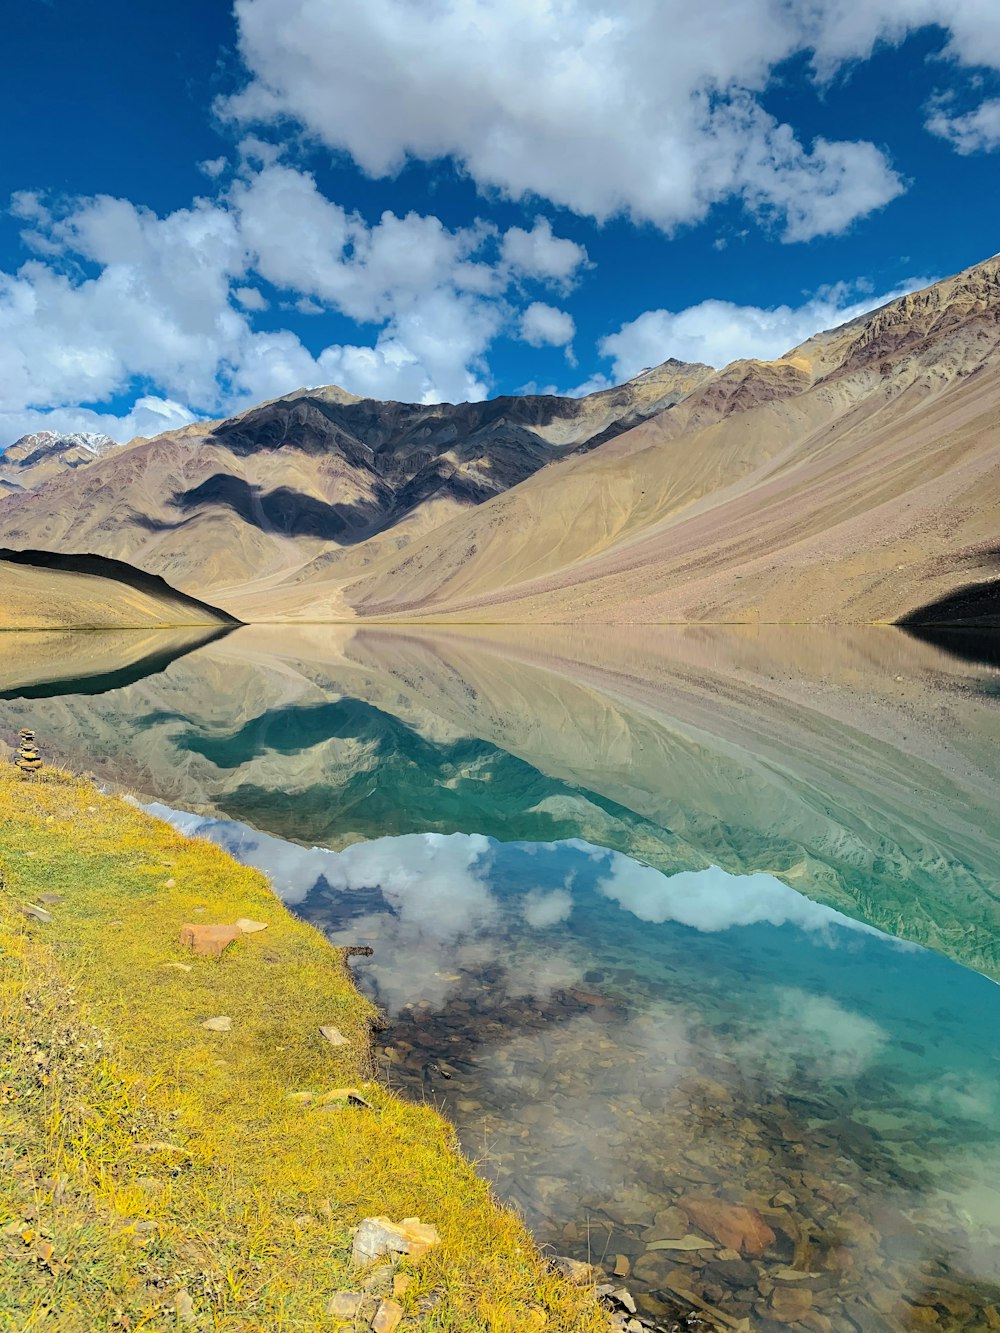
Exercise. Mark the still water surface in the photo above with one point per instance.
(649, 923)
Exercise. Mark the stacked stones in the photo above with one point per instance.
(28, 760)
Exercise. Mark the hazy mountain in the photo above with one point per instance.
(42, 590)
(37, 458)
(259, 496)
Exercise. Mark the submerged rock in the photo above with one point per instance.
(733, 1225)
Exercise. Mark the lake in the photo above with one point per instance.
(672, 923)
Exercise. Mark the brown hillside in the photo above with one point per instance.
(856, 479)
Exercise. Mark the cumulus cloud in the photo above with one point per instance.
(977, 131)
(117, 297)
(148, 416)
(543, 909)
(250, 298)
(813, 1036)
(213, 167)
(546, 326)
(653, 111)
(717, 332)
(713, 899)
(539, 253)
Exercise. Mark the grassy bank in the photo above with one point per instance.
(158, 1175)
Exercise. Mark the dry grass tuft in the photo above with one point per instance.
(157, 1175)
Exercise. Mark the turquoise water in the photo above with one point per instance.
(640, 935)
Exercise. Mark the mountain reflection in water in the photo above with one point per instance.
(626, 901)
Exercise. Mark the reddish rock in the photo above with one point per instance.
(209, 940)
(733, 1225)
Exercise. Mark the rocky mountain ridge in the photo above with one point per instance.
(36, 458)
(220, 504)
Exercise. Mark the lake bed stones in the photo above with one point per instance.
(733, 1225)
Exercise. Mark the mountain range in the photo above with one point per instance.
(855, 479)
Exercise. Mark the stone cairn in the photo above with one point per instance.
(27, 760)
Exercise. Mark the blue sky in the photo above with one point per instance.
(208, 205)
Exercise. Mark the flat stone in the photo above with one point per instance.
(209, 941)
(783, 1199)
(733, 1225)
(790, 1304)
(388, 1317)
(668, 1223)
(184, 1306)
(221, 1024)
(421, 1236)
(247, 926)
(344, 1304)
(36, 913)
(180, 967)
(622, 1266)
(689, 1242)
(51, 899)
(334, 1036)
(625, 1298)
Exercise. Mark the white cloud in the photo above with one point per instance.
(116, 294)
(148, 416)
(810, 1036)
(541, 254)
(250, 298)
(649, 110)
(213, 167)
(713, 899)
(545, 326)
(541, 909)
(717, 332)
(977, 131)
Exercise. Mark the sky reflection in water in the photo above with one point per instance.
(608, 1038)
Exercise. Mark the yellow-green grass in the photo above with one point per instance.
(145, 1157)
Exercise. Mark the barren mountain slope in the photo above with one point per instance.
(857, 478)
(258, 497)
(42, 591)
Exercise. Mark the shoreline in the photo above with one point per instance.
(212, 1167)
